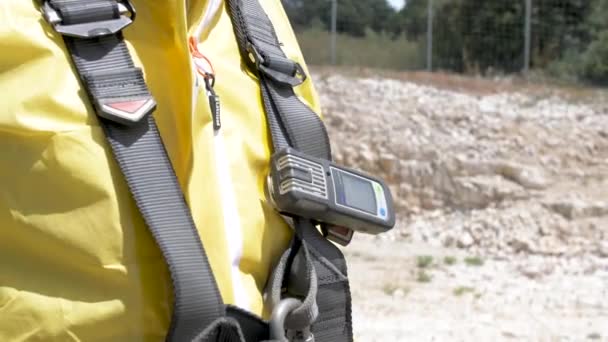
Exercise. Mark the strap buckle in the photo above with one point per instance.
(91, 29)
(295, 78)
(108, 89)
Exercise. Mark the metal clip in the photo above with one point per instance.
(254, 55)
(94, 28)
(295, 78)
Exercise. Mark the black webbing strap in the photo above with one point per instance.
(292, 123)
(122, 100)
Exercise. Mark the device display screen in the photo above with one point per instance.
(357, 193)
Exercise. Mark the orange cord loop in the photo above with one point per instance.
(193, 46)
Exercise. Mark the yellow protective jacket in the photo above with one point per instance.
(77, 263)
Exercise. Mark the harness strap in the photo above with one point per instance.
(123, 102)
(292, 123)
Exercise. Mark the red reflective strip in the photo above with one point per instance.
(341, 230)
(128, 106)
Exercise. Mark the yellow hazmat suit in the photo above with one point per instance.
(77, 263)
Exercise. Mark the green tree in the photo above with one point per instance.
(594, 66)
(483, 35)
(559, 27)
(355, 16)
(302, 13)
(410, 20)
(569, 37)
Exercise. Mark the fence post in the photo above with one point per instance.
(334, 19)
(527, 38)
(429, 37)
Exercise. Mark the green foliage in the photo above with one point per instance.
(376, 50)
(302, 13)
(474, 261)
(410, 20)
(390, 288)
(354, 16)
(595, 60)
(424, 261)
(449, 260)
(584, 54)
(423, 277)
(459, 291)
(569, 37)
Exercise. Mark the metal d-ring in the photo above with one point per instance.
(277, 322)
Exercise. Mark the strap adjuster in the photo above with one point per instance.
(297, 77)
(91, 29)
(120, 95)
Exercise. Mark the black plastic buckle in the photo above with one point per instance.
(91, 29)
(297, 78)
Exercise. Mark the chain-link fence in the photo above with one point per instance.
(561, 39)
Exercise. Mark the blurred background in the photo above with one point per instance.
(489, 119)
(562, 39)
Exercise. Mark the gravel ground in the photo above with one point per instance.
(502, 192)
(465, 302)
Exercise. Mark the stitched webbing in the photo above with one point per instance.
(109, 76)
(300, 126)
(294, 124)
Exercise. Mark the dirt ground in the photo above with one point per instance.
(464, 302)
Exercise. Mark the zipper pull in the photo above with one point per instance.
(214, 102)
(208, 74)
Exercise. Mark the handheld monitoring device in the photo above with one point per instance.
(346, 200)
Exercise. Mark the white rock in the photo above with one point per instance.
(399, 293)
(388, 163)
(576, 208)
(528, 177)
(485, 174)
(535, 269)
(602, 248)
(465, 240)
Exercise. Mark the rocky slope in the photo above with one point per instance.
(515, 174)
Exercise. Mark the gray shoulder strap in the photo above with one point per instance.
(291, 122)
(91, 30)
(294, 124)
